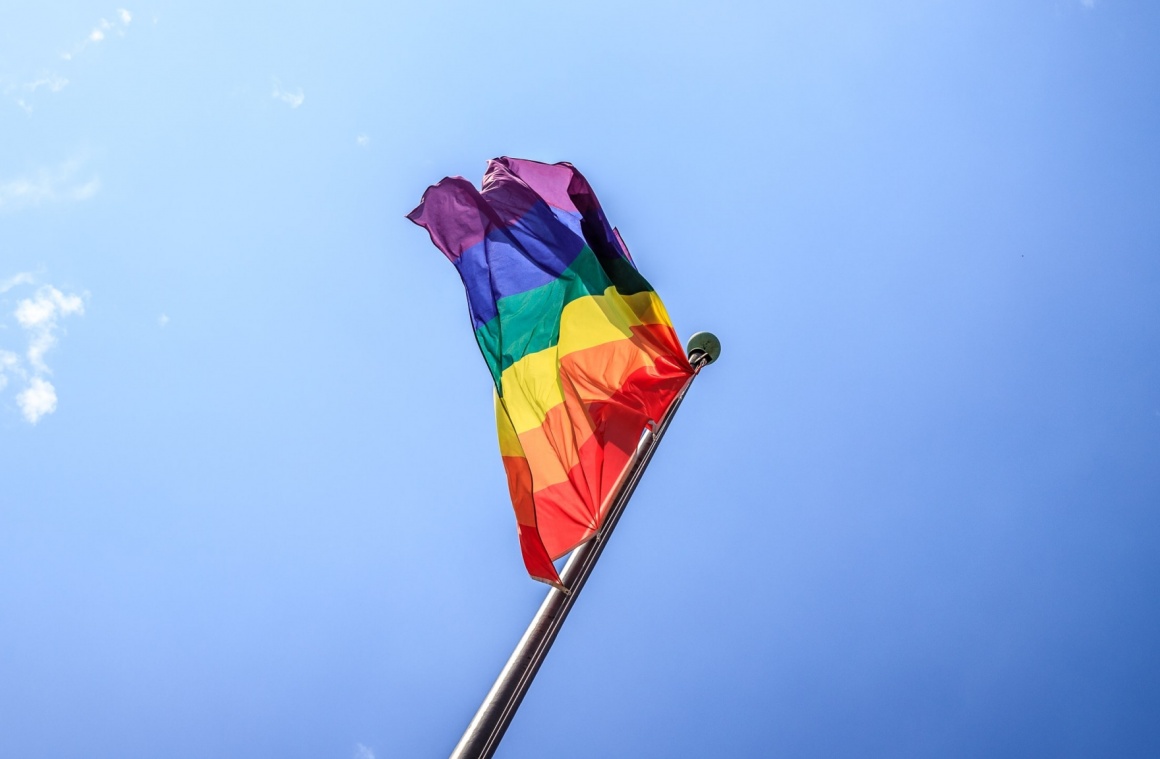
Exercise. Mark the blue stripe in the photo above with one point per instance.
(529, 253)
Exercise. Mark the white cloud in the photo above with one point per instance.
(38, 399)
(43, 309)
(23, 278)
(163, 321)
(47, 185)
(292, 99)
(363, 752)
(34, 314)
(100, 32)
(39, 317)
(362, 140)
(1088, 3)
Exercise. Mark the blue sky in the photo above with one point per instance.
(251, 498)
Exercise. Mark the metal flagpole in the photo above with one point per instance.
(487, 728)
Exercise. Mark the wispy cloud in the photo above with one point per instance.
(1088, 3)
(49, 81)
(54, 83)
(100, 31)
(23, 93)
(39, 318)
(163, 321)
(293, 98)
(63, 182)
(23, 278)
(362, 140)
(363, 752)
(9, 364)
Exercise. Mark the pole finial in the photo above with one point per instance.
(705, 343)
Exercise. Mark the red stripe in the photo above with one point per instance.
(566, 514)
(536, 558)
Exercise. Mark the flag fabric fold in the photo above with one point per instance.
(580, 349)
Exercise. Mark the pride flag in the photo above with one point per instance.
(580, 348)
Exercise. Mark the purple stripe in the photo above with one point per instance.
(453, 214)
(522, 231)
(565, 188)
(548, 180)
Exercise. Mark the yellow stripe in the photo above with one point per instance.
(531, 386)
(529, 395)
(509, 444)
(595, 320)
(648, 308)
(598, 319)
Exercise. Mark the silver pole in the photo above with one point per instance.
(487, 728)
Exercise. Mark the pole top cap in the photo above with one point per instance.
(705, 343)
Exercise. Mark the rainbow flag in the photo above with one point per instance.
(581, 350)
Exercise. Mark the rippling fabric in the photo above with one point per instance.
(580, 348)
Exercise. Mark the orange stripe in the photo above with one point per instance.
(551, 448)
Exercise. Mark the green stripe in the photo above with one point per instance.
(624, 275)
(530, 321)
